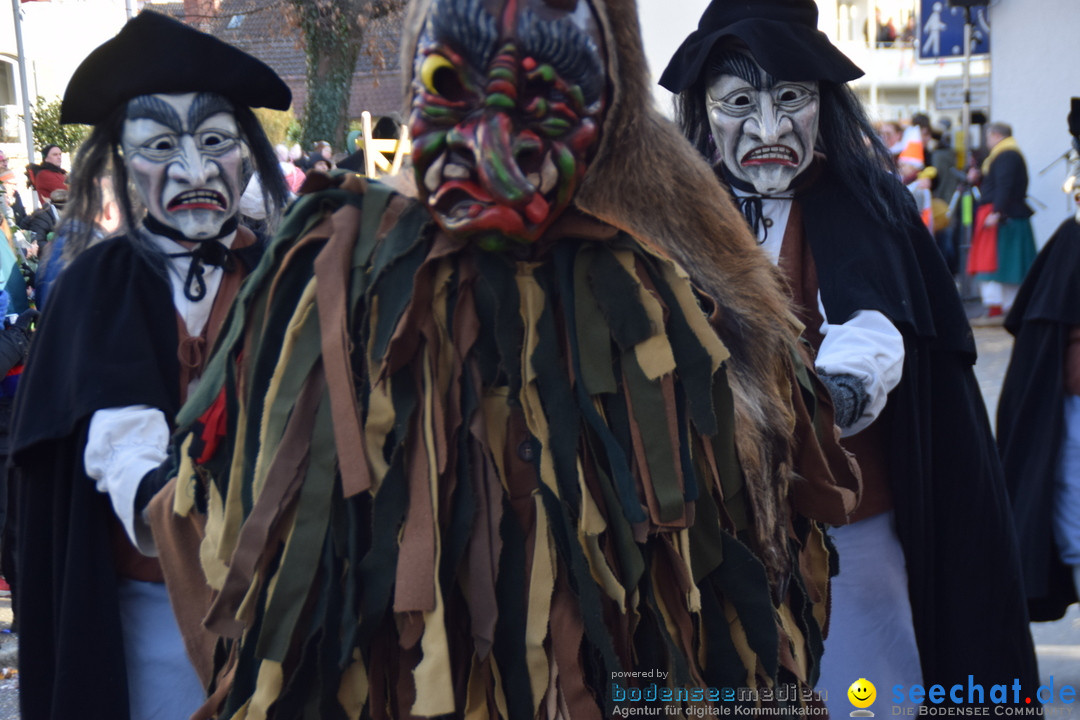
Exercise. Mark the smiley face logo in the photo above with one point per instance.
(862, 693)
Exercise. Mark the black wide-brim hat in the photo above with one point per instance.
(153, 53)
(782, 36)
(1074, 117)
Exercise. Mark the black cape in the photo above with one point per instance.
(952, 512)
(107, 339)
(1031, 421)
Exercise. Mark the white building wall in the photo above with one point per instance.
(1035, 72)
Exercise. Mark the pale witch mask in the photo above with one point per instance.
(507, 101)
(185, 157)
(764, 128)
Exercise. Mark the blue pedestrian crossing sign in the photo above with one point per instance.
(941, 31)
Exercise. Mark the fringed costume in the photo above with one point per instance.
(443, 477)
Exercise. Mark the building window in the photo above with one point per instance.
(9, 109)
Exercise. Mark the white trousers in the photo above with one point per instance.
(871, 634)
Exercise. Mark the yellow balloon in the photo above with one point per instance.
(862, 693)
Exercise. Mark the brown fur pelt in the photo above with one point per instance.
(646, 179)
(649, 181)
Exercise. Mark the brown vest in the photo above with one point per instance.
(868, 446)
(192, 353)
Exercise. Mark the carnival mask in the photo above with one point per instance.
(506, 108)
(764, 128)
(185, 157)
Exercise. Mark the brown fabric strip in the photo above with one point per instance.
(415, 588)
(177, 540)
(567, 631)
(484, 549)
(332, 269)
(262, 531)
(828, 484)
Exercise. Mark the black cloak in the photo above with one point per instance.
(1031, 420)
(107, 339)
(952, 511)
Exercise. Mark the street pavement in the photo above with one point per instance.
(1057, 644)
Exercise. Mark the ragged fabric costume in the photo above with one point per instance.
(929, 561)
(457, 458)
(125, 338)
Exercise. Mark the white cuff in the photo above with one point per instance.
(123, 444)
(870, 348)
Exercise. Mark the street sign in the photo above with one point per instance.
(941, 31)
(949, 93)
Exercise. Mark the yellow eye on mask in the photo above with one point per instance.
(430, 70)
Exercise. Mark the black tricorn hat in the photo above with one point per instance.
(782, 36)
(153, 53)
(1074, 118)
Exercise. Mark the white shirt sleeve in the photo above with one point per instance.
(869, 347)
(122, 445)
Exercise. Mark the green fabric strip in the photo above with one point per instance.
(569, 263)
(706, 538)
(393, 285)
(313, 682)
(267, 352)
(497, 303)
(592, 332)
(379, 566)
(677, 665)
(723, 666)
(304, 544)
(627, 552)
(511, 590)
(690, 480)
(356, 512)
(306, 353)
(742, 581)
(463, 503)
(732, 483)
(651, 415)
(617, 295)
(581, 582)
(619, 445)
(553, 382)
(694, 362)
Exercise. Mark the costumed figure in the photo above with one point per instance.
(927, 590)
(1038, 421)
(123, 341)
(482, 453)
